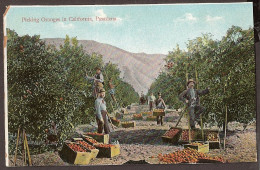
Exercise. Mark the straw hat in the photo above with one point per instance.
(102, 90)
(190, 80)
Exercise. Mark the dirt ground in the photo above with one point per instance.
(144, 141)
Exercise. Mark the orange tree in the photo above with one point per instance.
(226, 66)
(77, 63)
(48, 84)
(38, 92)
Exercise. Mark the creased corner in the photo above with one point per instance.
(7, 8)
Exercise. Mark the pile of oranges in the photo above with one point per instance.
(94, 133)
(76, 147)
(171, 132)
(187, 155)
(137, 116)
(185, 135)
(212, 136)
(91, 140)
(86, 145)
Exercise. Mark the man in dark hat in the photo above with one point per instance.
(190, 96)
(98, 81)
(159, 103)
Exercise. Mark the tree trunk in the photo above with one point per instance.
(224, 126)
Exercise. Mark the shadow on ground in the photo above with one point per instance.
(139, 136)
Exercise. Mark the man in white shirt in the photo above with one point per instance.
(101, 113)
(151, 100)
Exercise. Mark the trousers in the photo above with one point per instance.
(194, 113)
(151, 105)
(103, 125)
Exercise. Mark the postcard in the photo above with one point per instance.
(130, 84)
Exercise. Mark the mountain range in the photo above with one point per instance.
(137, 69)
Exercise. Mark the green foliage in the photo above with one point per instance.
(47, 84)
(226, 66)
(37, 89)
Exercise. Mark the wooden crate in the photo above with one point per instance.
(214, 144)
(115, 121)
(137, 118)
(110, 152)
(147, 113)
(128, 124)
(204, 148)
(214, 139)
(195, 135)
(174, 139)
(94, 152)
(151, 118)
(155, 113)
(100, 137)
(77, 158)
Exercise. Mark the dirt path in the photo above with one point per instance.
(144, 141)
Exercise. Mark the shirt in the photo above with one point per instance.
(97, 77)
(151, 98)
(100, 105)
(160, 104)
(193, 98)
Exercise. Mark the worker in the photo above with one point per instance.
(151, 100)
(190, 96)
(159, 103)
(101, 113)
(98, 81)
(112, 89)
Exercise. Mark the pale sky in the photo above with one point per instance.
(138, 28)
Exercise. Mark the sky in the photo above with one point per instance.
(150, 29)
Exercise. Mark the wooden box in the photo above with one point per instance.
(212, 136)
(93, 150)
(137, 117)
(128, 124)
(199, 146)
(195, 135)
(100, 137)
(107, 152)
(115, 121)
(172, 139)
(74, 157)
(147, 113)
(158, 112)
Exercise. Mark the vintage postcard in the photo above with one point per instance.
(130, 84)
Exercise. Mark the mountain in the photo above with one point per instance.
(137, 69)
